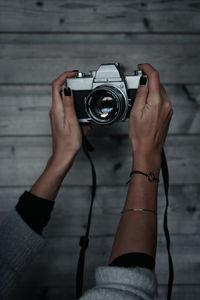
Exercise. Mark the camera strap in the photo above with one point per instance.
(84, 240)
(165, 175)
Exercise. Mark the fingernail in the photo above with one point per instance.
(74, 71)
(139, 65)
(143, 80)
(67, 92)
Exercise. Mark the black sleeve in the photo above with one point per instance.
(134, 259)
(35, 211)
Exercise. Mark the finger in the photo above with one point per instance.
(165, 98)
(166, 102)
(56, 86)
(163, 92)
(153, 77)
(142, 93)
(68, 104)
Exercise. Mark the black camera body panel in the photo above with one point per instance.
(79, 102)
(131, 96)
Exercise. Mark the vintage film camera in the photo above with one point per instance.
(104, 96)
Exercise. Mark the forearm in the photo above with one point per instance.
(48, 184)
(137, 231)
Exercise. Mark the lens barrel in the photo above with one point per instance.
(105, 104)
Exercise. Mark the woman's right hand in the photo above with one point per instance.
(150, 115)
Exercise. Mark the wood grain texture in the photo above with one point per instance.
(38, 41)
(23, 159)
(55, 266)
(69, 216)
(38, 59)
(24, 110)
(100, 16)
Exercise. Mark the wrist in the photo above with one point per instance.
(60, 165)
(147, 162)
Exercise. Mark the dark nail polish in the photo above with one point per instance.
(74, 71)
(67, 92)
(143, 80)
(139, 64)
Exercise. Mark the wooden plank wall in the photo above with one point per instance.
(38, 41)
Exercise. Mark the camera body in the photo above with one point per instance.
(104, 96)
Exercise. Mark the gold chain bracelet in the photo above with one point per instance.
(138, 210)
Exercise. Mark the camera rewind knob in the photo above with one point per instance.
(80, 74)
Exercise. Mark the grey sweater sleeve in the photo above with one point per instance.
(18, 246)
(119, 283)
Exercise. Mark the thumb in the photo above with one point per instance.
(142, 93)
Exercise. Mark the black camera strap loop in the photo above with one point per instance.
(84, 240)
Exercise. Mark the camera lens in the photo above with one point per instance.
(105, 104)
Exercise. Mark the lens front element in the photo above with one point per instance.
(105, 104)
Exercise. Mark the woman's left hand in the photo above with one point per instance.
(66, 131)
